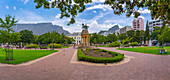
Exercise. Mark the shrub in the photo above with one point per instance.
(96, 52)
(82, 57)
(134, 44)
(101, 54)
(43, 47)
(32, 46)
(115, 44)
(55, 45)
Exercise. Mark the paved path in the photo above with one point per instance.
(58, 67)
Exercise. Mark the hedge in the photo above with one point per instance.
(55, 45)
(115, 44)
(134, 44)
(82, 57)
(32, 46)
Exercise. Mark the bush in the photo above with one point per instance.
(32, 46)
(55, 45)
(82, 57)
(115, 44)
(134, 44)
(43, 47)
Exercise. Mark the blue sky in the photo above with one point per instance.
(97, 15)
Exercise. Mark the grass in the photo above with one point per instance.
(21, 56)
(102, 45)
(149, 50)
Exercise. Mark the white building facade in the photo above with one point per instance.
(153, 23)
(76, 37)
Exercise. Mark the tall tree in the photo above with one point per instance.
(27, 36)
(165, 36)
(130, 33)
(122, 36)
(7, 29)
(147, 35)
(159, 9)
(112, 38)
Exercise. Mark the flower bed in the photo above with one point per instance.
(116, 57)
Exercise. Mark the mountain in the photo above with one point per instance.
(40, 28)
(110, 31)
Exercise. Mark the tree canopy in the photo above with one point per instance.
(27, 36)
(159, 9)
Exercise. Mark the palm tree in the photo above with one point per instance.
(7, 29)
(84, 26)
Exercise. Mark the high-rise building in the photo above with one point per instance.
(138, 24)
(153, 23)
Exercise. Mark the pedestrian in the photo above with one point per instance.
(161, 51)
(165, 51)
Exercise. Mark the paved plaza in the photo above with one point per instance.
(58, 67)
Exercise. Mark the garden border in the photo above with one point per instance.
(74, 60)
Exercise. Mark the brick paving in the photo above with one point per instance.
(58, 67)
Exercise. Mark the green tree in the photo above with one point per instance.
(155, 33)
(95, 41)
(7, 29)
(128, 39)
(44, 38)
(62, 38)
(139, 36)
(130, 33)
(147, 35)
(15, 37)
(35, 39)
(54, 36)
(112, 38)
(122, 36)
(27, 36)
(159, 9)
(164, 36)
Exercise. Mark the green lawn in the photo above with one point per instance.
(148, 50)
(21, 56)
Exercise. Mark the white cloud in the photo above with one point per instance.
(143, 11)
(7, 7)
(98, 1)
(100, 6)
(116, 21)
(30, 17)
(58, 16)
(141, 17)
(26, 1)
(14, 7)
(94, 11)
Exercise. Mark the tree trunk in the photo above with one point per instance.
(52, 46)
(8, 52)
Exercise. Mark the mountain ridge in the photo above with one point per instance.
(40, 28)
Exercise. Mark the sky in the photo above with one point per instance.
(97, 15)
